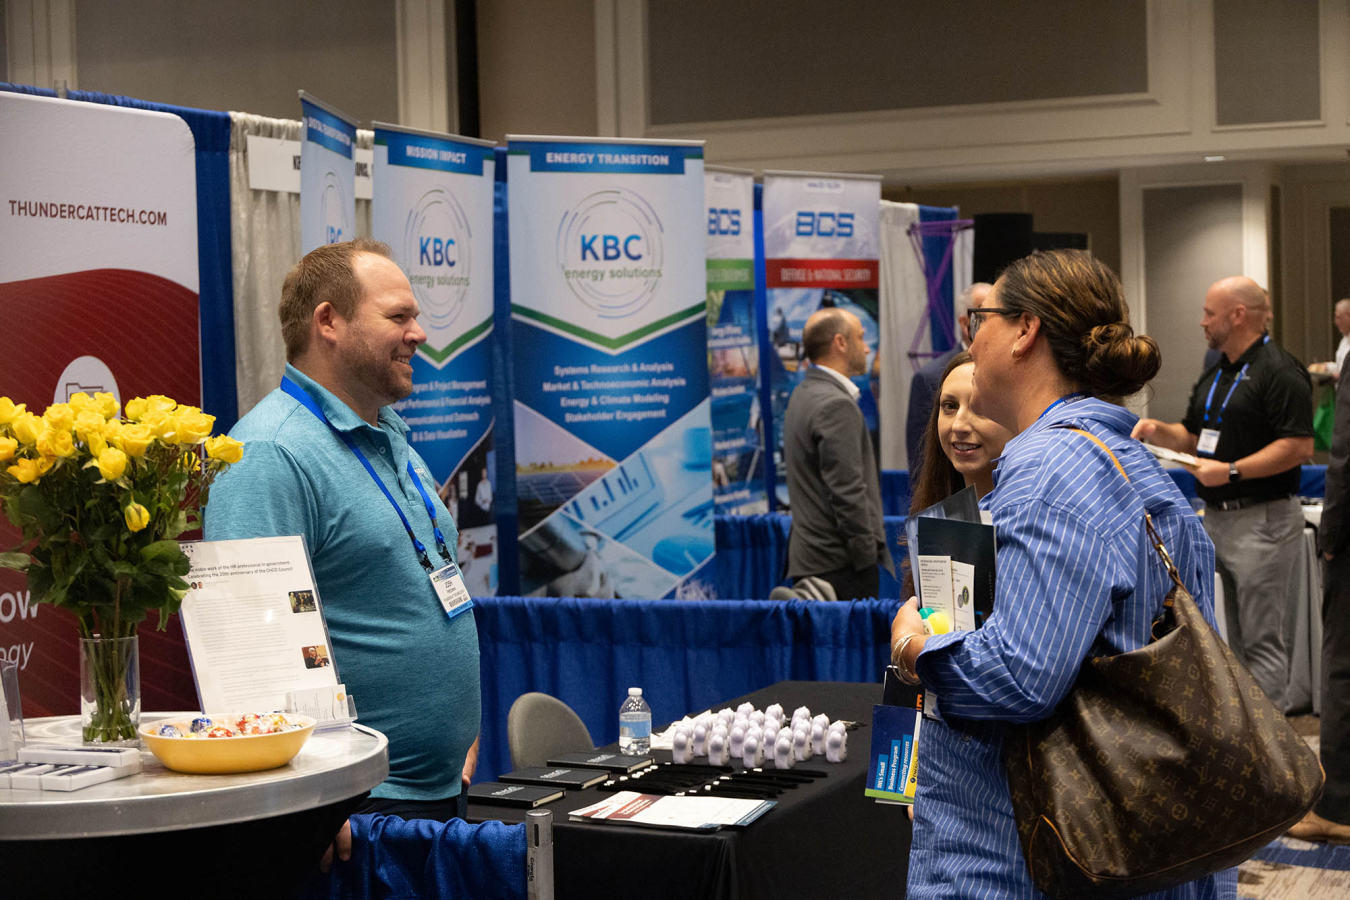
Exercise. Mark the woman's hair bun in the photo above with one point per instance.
(1118, 362)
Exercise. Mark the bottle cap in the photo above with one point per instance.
(635, 692)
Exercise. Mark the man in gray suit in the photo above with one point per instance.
(831, 468)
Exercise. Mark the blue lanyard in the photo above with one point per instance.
(1065, 399)
(305, 400)
(1219, 374)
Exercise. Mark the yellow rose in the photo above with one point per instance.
(44, 464)
(80, 402)
(106, 404)
(53, 443)
(8, 446)
(111, 464)
(161, 425)
(137, 517)
(96, 443)
(134, 439)
(27, 428)
(194, 426)
(136, 408)
(224, 448)
(9, 411)
(190, 461)
(28, 471)
(160, 403)
(87, 422)
(59, 416)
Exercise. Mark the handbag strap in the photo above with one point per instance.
(1153, 537)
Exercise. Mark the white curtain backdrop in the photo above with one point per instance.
(265, 243)
(904, 294)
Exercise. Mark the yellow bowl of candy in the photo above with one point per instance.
(227, 744)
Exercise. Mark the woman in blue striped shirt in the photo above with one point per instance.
(1052, 348)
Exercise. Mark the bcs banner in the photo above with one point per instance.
(613, 438)
(733, 343)
(98, 289)
(433, 206)
(327, 175)
(821, 248)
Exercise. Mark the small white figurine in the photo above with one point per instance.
(700, 739)
(800, 712)
(745, 709)
(757, 717)
(717, 749)
(836, 743)
(680, 746)
(752, 754)
(783, 757)
(736, 740)
(817, 737)
(775, 710)
(771, 733)
(801, 744)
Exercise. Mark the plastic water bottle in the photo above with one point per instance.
(635, 725)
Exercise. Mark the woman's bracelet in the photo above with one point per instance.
(907, 674)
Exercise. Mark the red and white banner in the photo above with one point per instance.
(98, 292)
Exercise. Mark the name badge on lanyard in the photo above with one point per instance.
(1209, 441)
(450, 590)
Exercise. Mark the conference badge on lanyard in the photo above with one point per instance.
(450, 590)
(1209, 441)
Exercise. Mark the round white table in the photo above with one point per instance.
(188, 826)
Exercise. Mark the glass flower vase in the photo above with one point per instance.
(110, 690)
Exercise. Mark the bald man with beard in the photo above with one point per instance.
(1250, 422)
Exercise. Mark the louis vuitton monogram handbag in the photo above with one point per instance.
(1162, 765)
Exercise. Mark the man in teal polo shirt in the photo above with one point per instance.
(325, 457)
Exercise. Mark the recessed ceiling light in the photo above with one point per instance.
(1215, 158)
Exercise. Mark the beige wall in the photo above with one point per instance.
(245, 55)
(536, 67)
(1090, 206)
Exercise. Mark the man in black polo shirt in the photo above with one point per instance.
(1250, 422)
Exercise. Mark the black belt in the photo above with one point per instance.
(1244, 502)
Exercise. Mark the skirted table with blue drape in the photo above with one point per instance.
(685, 655)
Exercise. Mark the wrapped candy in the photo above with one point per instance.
(201, 724)
(220, 731)
(169, 731)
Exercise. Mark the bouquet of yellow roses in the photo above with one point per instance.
(100, 499)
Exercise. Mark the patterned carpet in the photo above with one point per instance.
(1290, 869)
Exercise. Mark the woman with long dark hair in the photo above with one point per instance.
(960, 446)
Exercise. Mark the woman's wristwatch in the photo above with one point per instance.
(907, 674)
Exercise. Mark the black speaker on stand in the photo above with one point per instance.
(1000, 238)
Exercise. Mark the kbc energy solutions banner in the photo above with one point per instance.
(433, 206)
(98, 290)
(733, 345)
(821, 249)
(327, 176)
(613, 438)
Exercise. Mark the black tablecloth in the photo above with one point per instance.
(823, 839)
